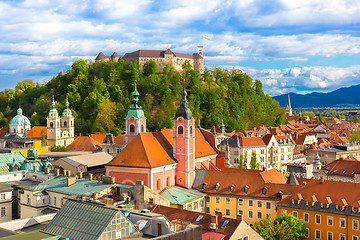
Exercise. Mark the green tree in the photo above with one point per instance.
(241, 162)
(354, 136)
(58, 149)
(296, 225)
(149, 68)
(43, 136)
(253, 162)
(107, 114)
(275, 230)
(321, 119)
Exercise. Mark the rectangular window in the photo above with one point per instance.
(330, 221)
(241, 212)
(306, 217)
(306, 232)
(329, 236)
(2, 196)
(268, 215)
(217, 199)
(268, 205)
(317, 219)
(241, 202)
(207, 199)
(317, 234)
(342, 236)
(295, 213)
(259, 204)
(355, 225)
(54, 200)
(355, 238)
(3, 213)
(227, 200)
(227, 212)
(342, 222)
(283, 211)
(28, 200)
(250, 203)
(250, 214)
(259, 215)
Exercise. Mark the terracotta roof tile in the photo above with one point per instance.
(84, 143)
(99, 137)
(343, 167)
(249, 141)
(120, 140)
(35, 132)
(3, 131)
(143, 151)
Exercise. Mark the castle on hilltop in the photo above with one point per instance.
(161, 58)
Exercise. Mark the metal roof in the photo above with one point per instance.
(81, 220)
(6, 158)
(33, 235)
(81, 187)
(178, 195)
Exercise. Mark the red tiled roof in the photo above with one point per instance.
(241, 178)
(35, 132)
(324, 188)
(3, 131)
(273, 176)
(343, 167)
(248, 141)
(120, 140)
(143, 151)
(99, 137)
(84, 143)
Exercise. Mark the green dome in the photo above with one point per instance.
(19, 119)
(32, 161)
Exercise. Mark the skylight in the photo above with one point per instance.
(199, 218)
(225, 223)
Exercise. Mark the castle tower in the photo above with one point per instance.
(289, 111)
(201, 50)
(135, 121)
(184, 143)
(53, 126)
(67, 126)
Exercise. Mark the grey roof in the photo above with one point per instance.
(199, 179)
(292, 179)
(79, 220)
(89, 160)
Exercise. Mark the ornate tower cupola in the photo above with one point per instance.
(222, 127)
(53, 126)
(184, 143)
(67, 126)
(289, 111)
(135, 120)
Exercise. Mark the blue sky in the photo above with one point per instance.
(291, 46)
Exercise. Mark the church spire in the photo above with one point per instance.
(135, 102)
(183, 110)
(288, 107)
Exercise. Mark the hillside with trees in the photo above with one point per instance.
(100, 95)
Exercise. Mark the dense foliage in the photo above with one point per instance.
(285, 226)
(100, 95)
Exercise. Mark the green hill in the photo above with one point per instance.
(101, 91)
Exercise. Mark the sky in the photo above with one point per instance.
(290, 45)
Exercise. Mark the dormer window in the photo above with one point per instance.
(204, 186)
(232, 188)
(263, 191)
(217, 186)
(246, 189)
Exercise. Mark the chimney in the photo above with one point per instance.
(214, 222)
(108, 179)
(264, 168)
(80, 175)
(35, 168)
(65, 173)
(219, 214)
(139, 195)
(239, 217)
(47, 170)
(70, 181)
(151, 200)
(91, 176)
(57, 172)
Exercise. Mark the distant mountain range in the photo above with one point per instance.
(341, 97)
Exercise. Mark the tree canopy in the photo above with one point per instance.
(93, 88)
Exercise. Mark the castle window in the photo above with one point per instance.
(142, 127)
(180, 130)
(51, 124)
(65, 123)
(132, 128)
(191, 129)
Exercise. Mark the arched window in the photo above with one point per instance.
(51, 124)
(70, 123)
(191, 130)
(65, 123)
(14, 130)
(142, 127)
(132, 128)
(180, 130)
(158, 184)
(168, 181)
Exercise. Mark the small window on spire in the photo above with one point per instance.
(132, 128)
(191, 129)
